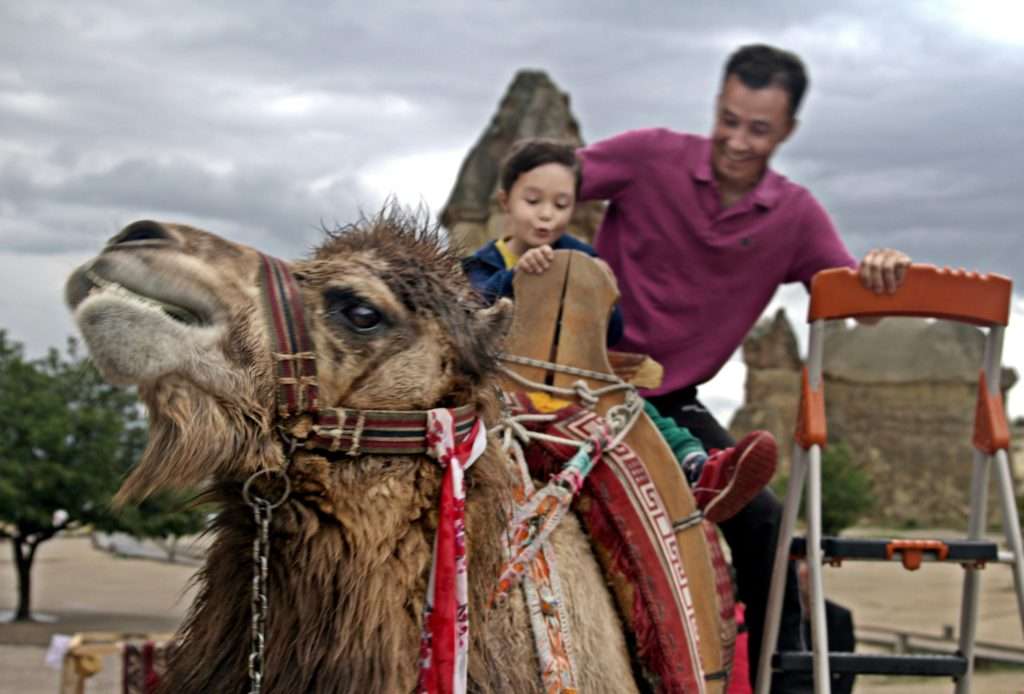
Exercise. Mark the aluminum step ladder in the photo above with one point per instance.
(982, 300)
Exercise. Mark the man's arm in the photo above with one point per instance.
(818, 246)
(881, 270)
(608, 166)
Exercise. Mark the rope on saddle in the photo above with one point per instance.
(620, 418)
(530, 563)
(580, 390)
(562, 368)
(539, 511)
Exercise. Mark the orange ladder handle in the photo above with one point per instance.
(927, 292)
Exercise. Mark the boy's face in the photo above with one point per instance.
(749, 125)
(539, 206)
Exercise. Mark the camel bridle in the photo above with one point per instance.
(454, 437)
(305, 424)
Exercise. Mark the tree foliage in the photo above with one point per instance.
(846, 494)
(66, 442)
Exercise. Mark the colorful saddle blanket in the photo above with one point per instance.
(635, 543)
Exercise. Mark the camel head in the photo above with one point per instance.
(178, 312)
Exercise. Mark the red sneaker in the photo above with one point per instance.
(731, 478)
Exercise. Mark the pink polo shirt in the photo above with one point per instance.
(695, 277)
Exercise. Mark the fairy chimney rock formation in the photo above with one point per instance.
(771, 344)
(533, 106)
(773, 364)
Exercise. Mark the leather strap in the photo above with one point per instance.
(294, 359)
(380, 431)
(335, 429)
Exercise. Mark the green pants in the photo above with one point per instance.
(680, 440)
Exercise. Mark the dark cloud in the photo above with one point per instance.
(128, 104)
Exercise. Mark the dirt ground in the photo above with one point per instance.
(83, 589)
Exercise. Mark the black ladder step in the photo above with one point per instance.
(835, 548)
(872, 664)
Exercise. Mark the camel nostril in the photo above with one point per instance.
(144, 230)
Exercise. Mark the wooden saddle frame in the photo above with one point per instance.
(562, 317)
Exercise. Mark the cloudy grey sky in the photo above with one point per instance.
(258, 120)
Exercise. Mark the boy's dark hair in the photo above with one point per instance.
(758, 66)
(527, 155)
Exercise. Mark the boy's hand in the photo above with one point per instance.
(883, 270)
(536, 260)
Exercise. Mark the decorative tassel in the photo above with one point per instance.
(444, 642)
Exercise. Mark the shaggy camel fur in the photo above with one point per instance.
(176, 311)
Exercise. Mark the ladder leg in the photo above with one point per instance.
(819, 631)
(773, 612)
(969, 601)
(1011, 527)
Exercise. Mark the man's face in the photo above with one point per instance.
(749, 125)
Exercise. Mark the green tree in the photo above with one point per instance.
(165, 517)
(846, 493)
(66, 442)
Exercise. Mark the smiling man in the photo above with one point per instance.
(700, 233)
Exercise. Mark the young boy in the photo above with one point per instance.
(538, 185)
(539, 181)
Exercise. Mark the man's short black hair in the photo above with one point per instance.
(527, 155)
(758, 66)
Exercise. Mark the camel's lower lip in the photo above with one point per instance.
(167, 290)
(177, 312)
(142, 320)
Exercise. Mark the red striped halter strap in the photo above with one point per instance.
(333, 429)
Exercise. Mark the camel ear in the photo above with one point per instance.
(479, 346)
(497, 319)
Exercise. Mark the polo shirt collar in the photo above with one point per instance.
(700, 161)
(767, 191)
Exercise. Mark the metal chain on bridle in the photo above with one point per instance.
(262, 511)
(295, 393)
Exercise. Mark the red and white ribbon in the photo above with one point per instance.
(444, 642)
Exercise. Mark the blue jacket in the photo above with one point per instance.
(487, 273)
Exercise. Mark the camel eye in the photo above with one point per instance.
(352, 311)
(362, 317)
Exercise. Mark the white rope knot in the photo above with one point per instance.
(585, 394)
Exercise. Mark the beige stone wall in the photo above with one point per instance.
(909, 430)
(770, 403)
(914, 440)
